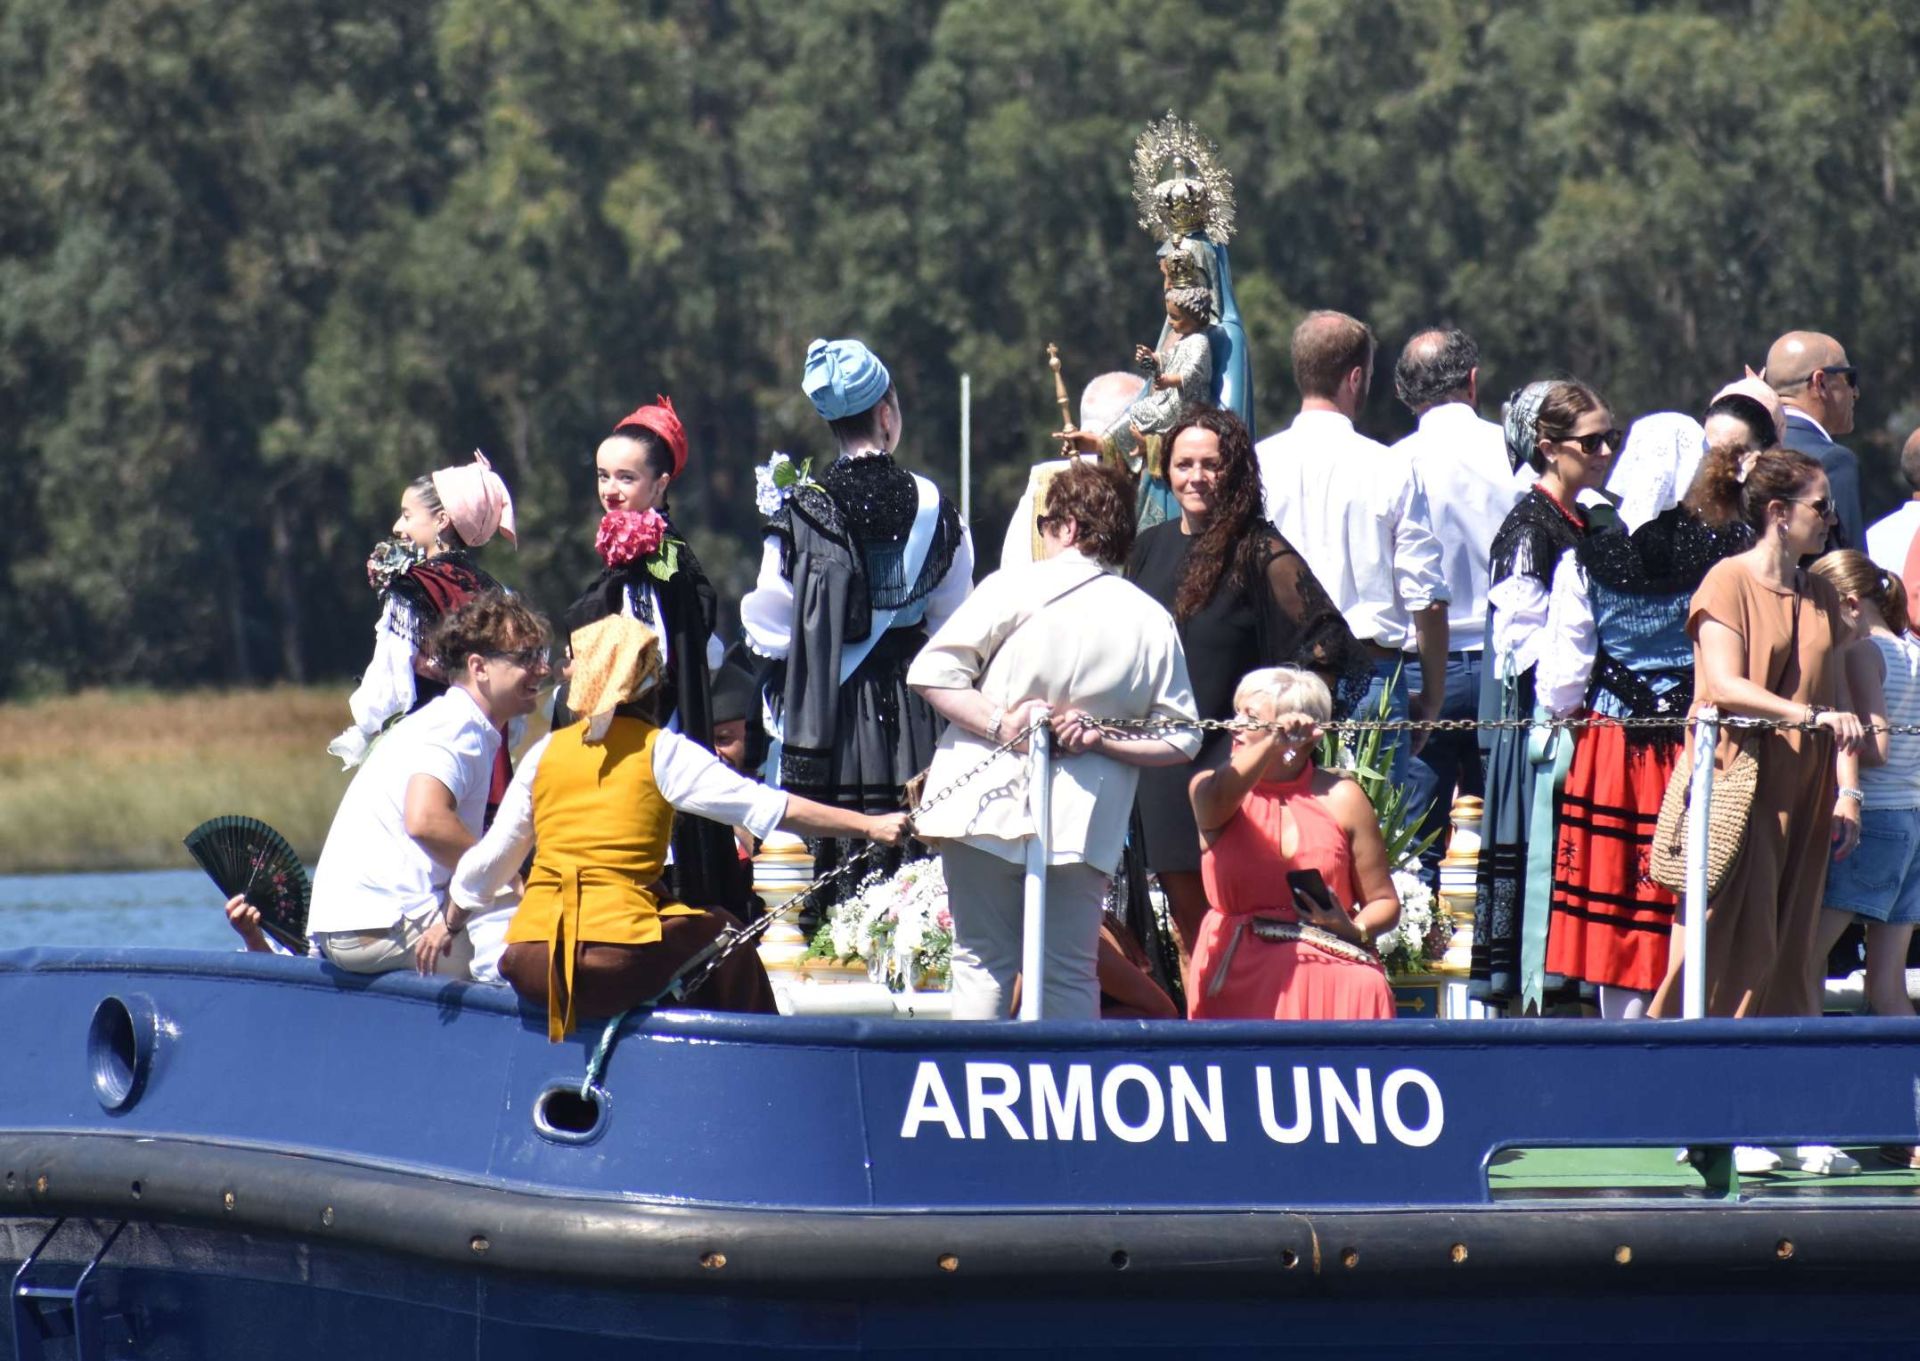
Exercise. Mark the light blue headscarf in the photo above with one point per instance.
(843, 378)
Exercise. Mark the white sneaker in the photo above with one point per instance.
(1823, 1160)
(1750, 1159)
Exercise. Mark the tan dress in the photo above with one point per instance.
(1761, 925)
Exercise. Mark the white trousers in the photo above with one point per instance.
(986, 895)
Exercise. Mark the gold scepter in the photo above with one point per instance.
(1060, 388)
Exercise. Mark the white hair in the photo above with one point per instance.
(1106, 399)
(1292, 691)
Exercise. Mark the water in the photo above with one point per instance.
(158, 908)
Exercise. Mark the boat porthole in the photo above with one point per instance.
(1783, 1249)
(1350, 1258)
(1120, 1260)
(120, 1050)
(948, 1262)
(1623, 1255)
(561, 1114)
(1457, 1253)
(1289, 1259)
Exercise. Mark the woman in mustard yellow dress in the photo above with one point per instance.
(594, 933)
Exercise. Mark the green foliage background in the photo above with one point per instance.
(262, 261)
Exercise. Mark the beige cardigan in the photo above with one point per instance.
(1073, 633)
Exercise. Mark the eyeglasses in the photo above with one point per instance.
(1846, 371)
(527, 658)
(1822, 506)
(1590, 445)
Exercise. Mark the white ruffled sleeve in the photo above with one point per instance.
(386, 690)
(1519, 606)
(1567, 666)
(766, 612)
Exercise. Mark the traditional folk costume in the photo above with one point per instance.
(416, 593)
(858, 567)
(652, 575)
(1618, 618)
(593, 934)
(1255, 959)
(1521, 562)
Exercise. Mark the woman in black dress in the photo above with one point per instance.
(1242, 598)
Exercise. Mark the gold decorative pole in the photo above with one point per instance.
(1060, 388)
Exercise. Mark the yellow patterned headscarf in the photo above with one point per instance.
(615, 659)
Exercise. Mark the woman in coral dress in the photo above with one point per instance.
(1264, 950)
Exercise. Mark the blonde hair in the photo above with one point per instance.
(1291, 690)
(1854, 573)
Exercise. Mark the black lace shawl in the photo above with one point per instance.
(435, 587)
(1668, 555)
(868, 506)
(1532, 538)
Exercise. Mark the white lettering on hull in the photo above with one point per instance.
(1136, 1104)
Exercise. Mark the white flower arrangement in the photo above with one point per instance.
(898, 924)
(774, 482)
(1422, 934)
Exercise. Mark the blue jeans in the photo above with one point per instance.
(1451, 762)
(1393, 745)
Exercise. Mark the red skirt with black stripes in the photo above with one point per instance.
(1610, 922)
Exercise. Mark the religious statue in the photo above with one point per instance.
(1185, 198)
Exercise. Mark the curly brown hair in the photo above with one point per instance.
(1223, 550)
(491, 622)
(1099, 499)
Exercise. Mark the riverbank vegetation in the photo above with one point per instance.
(112, 780)
(263, 261)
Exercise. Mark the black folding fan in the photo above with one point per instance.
(244, 855)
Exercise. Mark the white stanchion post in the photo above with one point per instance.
(966, 448)
(1033, 940)
(1706, 737)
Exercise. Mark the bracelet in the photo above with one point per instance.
(1813, 713)
(446, 920)
(999, 717)
(1857, 795)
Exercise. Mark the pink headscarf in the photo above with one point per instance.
(664, 421)
(1756, 387)
(476, 500)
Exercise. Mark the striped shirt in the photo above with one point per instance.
(1897, 783)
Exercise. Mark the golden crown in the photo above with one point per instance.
(1179, 185)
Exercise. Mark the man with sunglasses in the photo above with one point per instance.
(1818, 388)
(380, 888)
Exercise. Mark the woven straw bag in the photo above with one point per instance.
(1732, 802)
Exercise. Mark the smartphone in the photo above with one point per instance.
(1309, 884)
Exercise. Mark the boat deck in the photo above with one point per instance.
(1640, 1173)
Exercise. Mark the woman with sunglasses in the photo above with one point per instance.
(1767, 643)
(1565, 434)
(1618, 620)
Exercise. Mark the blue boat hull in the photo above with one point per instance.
(306, 1163)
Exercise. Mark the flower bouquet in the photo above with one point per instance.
(898, 924)
(775, 480)
(1422, 935)
(638, 536)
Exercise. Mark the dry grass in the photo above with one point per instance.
(113, 779)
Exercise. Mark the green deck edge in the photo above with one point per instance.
(1518, 1173)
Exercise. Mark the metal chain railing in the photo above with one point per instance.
(694, 973)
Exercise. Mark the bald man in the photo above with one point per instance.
(1818, 387)
(1102, 402)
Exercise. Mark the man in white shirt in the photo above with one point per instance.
(1890, 540)
(380, 890)
(1358, 515)
(1461, 462)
